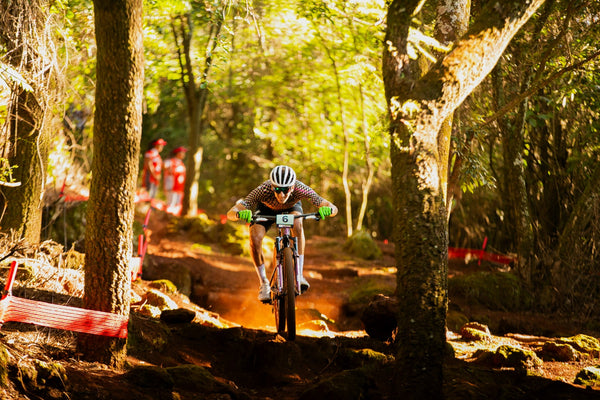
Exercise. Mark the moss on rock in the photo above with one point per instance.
(589, 376)
(149, 376)
(348, 385)
(195, 378)
(456, 320)
(499, 291)
(164, 285)
(583, 343)
(516, 357)
(475, 335)
(158, 299)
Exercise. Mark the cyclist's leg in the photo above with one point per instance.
(257, 233)
(298, 232)
(298, 229)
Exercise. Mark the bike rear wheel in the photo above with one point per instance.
(289, 275)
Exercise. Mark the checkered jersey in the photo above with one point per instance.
(263, 194)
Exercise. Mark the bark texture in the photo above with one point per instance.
(418, 107)
(117, 133)
(25, 143)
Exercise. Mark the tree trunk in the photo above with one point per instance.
(26, 145)
(117, 133)
(196, 97)
(24, 204)
(366, 186)
(418, 107)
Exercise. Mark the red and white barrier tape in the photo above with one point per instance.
(58, 316)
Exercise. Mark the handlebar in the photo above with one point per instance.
(262, 218)
(259, 218)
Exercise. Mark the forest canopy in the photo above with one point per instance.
(300, 83)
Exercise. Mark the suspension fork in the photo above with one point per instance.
(296, 267)
(278, 270)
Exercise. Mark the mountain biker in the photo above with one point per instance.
(280, 194)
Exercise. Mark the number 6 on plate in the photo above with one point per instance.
(285, 219)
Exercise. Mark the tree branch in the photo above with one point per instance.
(539, 85)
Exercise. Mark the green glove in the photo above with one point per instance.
(245, 215)
(324, 212)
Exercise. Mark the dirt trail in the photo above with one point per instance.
(227, 285)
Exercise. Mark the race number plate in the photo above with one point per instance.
(285, 220)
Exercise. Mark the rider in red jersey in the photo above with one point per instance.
(153, 167)
(174, 179)
(281, 194)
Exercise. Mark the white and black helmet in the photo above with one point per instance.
(282, 176)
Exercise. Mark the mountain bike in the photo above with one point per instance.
(284, 283)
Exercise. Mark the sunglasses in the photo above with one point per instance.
(281, 189)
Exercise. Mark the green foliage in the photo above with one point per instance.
(64, 222)
(497, 291)
(233, 238)
(365, 289)
(361, 244)
(6, 171)
(272, 98)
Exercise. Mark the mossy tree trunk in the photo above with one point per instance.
(26, 142)
(418, 107)
(117, 134)
(24, 203)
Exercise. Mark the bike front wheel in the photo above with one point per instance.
(289, 274)
(278, 301)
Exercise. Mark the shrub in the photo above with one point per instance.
(362, 245)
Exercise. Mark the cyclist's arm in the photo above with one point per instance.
(327, 203)
(250, 202)
(232, 214)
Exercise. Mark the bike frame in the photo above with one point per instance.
(285, 223)
(282, 298)
(284, 238)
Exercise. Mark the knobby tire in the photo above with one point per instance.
(279, 306)
(289, 275)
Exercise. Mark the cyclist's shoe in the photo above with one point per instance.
(304, 285)
(264, 293)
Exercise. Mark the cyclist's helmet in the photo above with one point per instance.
(283, 176)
